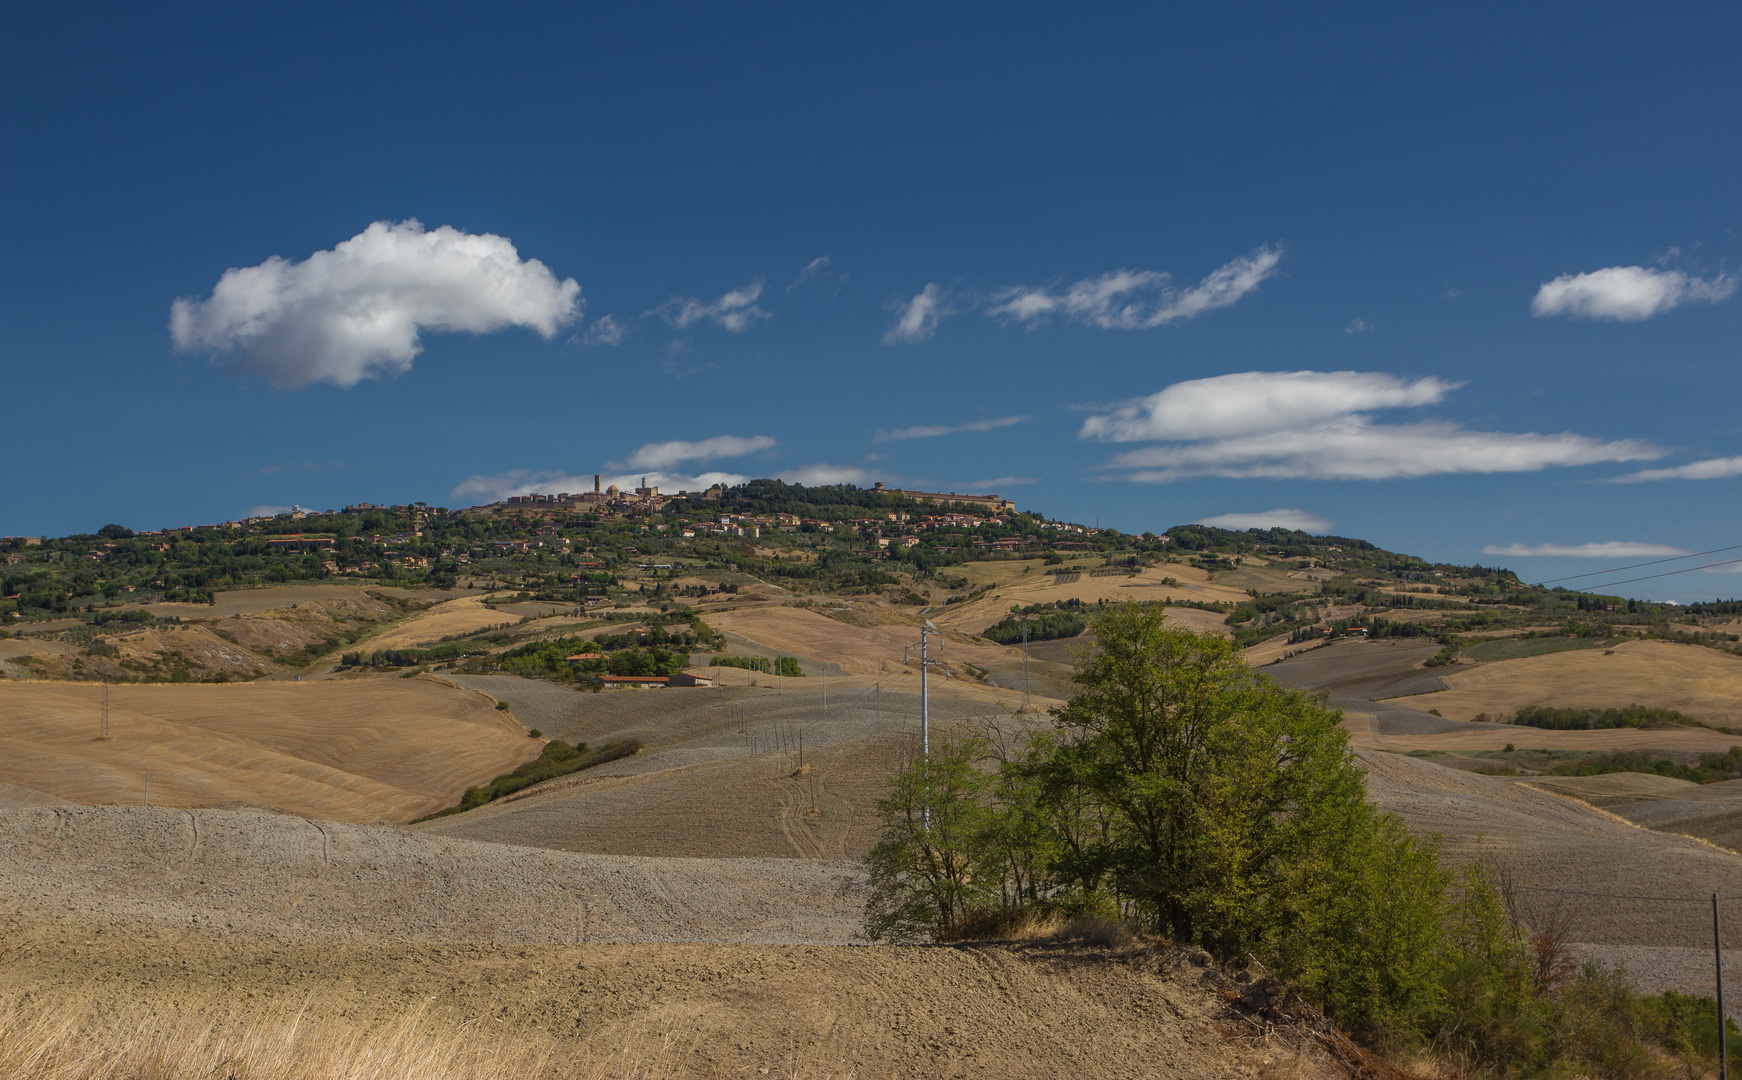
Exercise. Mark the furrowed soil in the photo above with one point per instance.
(114, 907)
(365, 751)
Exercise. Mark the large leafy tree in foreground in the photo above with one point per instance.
(1183, 792)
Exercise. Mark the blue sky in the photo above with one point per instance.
(1436, 280)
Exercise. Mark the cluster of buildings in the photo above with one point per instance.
(643, 500)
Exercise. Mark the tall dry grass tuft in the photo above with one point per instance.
(72, 1041)
(213, 1040)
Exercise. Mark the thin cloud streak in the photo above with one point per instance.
(1307, 425)
(1608, 549)
(935, 430)
(1136, 299)
(1269, 519)
(1709, 469)
(666, 454)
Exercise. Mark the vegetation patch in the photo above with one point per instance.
(1710, 768)
(1633, 716)
(784, 666)
(557, 758)
(1044, 622)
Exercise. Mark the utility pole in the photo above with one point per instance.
(147, 789)
(1718, 968)
(925, 663)
(103, 725)
(1025, 663)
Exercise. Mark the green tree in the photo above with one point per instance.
(930, 871)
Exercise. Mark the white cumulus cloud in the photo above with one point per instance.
(1269, 519)
(1608, 549)
(1626, 293)
(1710, 469)
(1316, 426)
(1136, 299)
(666, 454)
(917, 319)
(935, 430)
(1249, 402)
(355, 312)
(735, 311)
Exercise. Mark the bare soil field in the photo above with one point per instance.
(115, 905)
(379, 750)
(1711, 812)
(1701, 682)
(1559, 849)
(1364, 730)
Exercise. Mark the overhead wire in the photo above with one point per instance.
(1637, 565)
(1666, 573)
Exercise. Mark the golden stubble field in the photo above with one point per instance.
(449, 619)
(363, 751)
(1701, 682)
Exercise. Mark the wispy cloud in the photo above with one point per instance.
(1626, 293)
(356, 312)
(820, 474)
(666, 454)
(916, 320)
(1357, 326)
(935, 430)
(1136, 299)
(1710, 469)
(1269, 519)
(817, 270)
(1608, 549)
(735, 311)
(1004, 481)
(1316, 425)
(606, 330)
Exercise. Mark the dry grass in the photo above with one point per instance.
(455, 618)
(858, 650)
(69, 1041)
(1700, 682)
(210, 1040)
(362, 751)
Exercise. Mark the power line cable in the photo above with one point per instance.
(1637, 565)
(1667, 573)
